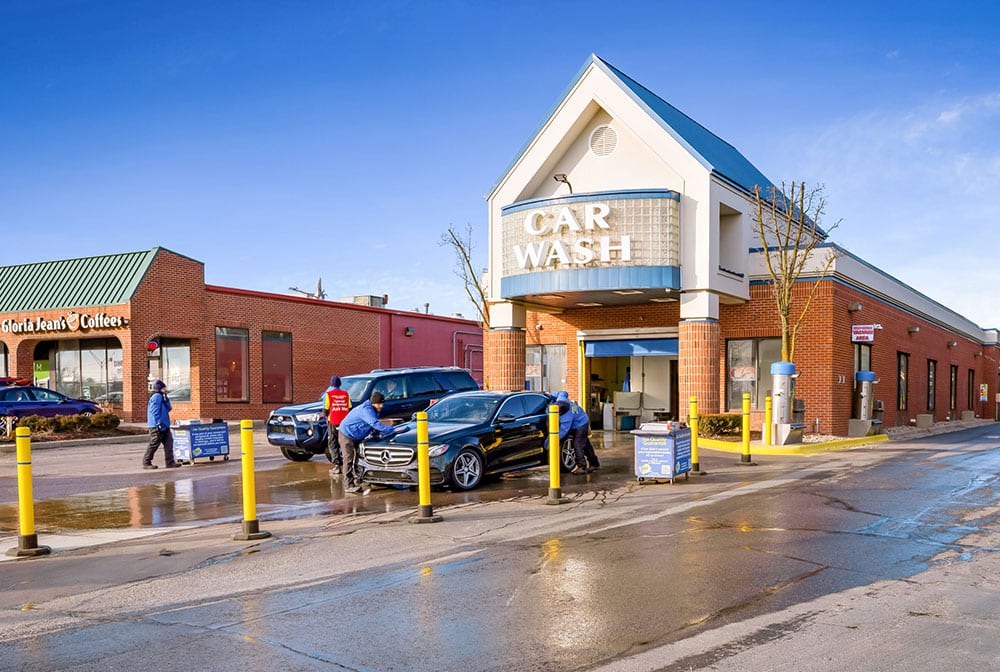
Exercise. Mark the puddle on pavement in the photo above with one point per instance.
(304, 486)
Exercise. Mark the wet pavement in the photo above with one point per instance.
(91, 498)
(505, 581)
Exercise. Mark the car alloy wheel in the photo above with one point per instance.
(567, 455)
(467, 470)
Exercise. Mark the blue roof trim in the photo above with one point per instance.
(623, 194)
(709, 149)
(636, 347)
(723, 159)
(590, 280)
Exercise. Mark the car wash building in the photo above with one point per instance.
(104, 328)
(622, 267)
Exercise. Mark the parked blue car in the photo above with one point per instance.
(20, 401)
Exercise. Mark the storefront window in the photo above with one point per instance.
(748, 370)
(3, 359)
(276, 366)
(545, 367)
(175, 357)
(232, 376)
(90, 369)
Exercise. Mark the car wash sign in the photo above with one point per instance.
(632, 228)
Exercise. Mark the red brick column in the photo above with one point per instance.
(698, 365)
(503, 366)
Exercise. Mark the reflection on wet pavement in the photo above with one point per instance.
(287, 490)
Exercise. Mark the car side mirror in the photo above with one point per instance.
(506, 417)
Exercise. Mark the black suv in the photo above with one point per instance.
(300, 430)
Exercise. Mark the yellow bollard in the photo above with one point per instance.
(555, 458)
(426, 514)
(767, 421)
(251, 527)
(693, 421)
(27, 542)
(745, 456)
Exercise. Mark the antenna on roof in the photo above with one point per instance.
(319, 294)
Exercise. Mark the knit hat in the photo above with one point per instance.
(376, 398)
(159, 386)
(335, 381)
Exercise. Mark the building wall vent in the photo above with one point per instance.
(603, 140)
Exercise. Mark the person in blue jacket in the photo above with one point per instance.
(357, 426)
(158, 422)
(575, 423)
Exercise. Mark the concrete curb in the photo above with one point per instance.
(794, 449)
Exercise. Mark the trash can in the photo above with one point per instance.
(662, 451)
(197, 440)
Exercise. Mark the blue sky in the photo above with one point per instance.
(281, 142)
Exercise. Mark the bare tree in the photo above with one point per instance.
(788, 223)
(475, 286)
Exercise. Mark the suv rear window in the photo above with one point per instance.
(459, 381)
(422, 384)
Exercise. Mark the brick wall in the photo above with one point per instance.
(824, 354)
(327, 338)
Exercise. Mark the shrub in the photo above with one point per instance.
(69, 423)
(105, 421)
(66, 423)
(37, 423)
(720, 424)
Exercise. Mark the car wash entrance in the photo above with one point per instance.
(630, 381)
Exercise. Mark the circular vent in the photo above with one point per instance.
(603, 140)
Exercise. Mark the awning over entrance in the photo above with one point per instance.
(638, 347)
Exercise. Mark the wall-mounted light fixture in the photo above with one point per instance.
(914, 329)
(561, 177)
(853, 307)
(952, 344)
(539, 326)
(408, 331)
(978, 353)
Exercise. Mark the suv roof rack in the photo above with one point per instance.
(415, 368)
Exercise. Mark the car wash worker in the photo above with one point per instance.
(359, 424)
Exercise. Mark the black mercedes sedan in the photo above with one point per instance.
(471, 435)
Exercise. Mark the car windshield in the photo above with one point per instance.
(462, 410)
(354, 386)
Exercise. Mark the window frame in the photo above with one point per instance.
(931, 384)
(758, 391)
(902, 381)
(242, 375)
(275, 336)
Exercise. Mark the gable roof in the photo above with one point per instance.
(73, 283)
(714, 153)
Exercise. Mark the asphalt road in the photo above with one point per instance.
(797, 563)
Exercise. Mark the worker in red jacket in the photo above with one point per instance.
(337, 403)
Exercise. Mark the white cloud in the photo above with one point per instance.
(917, 190)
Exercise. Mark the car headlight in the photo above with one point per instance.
(438, 450)
(309, 417)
